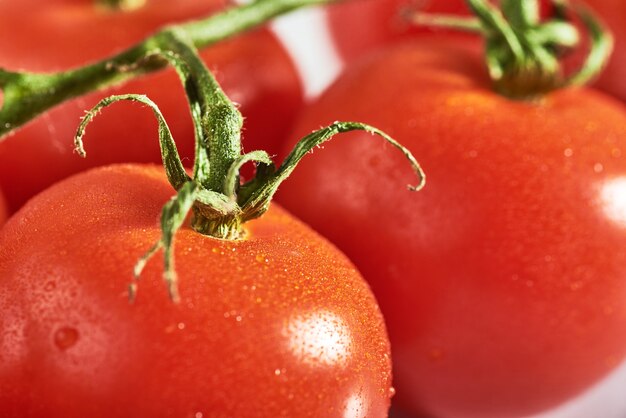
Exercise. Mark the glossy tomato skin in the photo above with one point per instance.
(502, 282)
(278, 324)
(254, 70)
(381, 22)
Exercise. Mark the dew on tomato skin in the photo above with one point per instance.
(50, 286)
(576, 285)
(355, 407)
(436, 354)
(65, 337)
(598, 168)
(319, 339)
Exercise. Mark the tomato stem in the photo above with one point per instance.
(220, 204)
(523, 53)
(27, 95)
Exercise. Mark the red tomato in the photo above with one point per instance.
(44, 35)
(502, 282)
(277, 324)
(380, 22)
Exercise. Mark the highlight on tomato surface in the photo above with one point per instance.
(268, 318)
(502, 282)
(254, 69)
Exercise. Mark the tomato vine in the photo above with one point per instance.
(26, 95)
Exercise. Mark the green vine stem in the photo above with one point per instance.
(523, 53)
(26, 95)
(219, 203)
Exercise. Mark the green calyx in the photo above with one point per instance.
(524, 53)
(219, 203)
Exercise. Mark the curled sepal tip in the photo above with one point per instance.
(173, 216)
(232, 177)
(174, 169)
(255, 196)
(599, 51)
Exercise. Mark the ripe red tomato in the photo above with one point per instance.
(43, 35)
(380, 22)
(502, 282)
(277, 324)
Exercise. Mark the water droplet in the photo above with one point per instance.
(568, 152)
(199, 415)
(435, 354)
(576, 285)
(277, 372)
(65, 337)
(392, 391)
(262, 259)
(181, 325)
(50, 286)
(597, 167)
